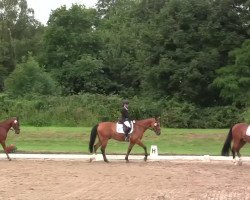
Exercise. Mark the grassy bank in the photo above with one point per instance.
(75, 140)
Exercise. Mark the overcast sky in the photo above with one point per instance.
(43, 8)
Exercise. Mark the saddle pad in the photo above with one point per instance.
(119, 128)
(248, 131)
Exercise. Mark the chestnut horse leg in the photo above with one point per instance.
(4, 148)
(237, 145)
(103, 147)
(129, 150)
(96, 146)
(241, 144)
(139, 142)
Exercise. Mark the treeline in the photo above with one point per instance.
(189, 58)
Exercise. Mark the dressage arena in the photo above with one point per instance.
(50, 177)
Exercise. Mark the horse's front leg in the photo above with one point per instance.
(139, 142)
(129, 150)
(5, 150)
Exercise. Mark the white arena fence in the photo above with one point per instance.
(98, 157)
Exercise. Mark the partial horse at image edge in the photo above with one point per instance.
(237, 134)
(5, 126)
(107, 130)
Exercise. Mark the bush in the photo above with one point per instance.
(247, 115)
(186, 115)
(29, 78)
(89, 109)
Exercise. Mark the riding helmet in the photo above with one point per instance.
(125, 102)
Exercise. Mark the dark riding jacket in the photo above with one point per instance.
(125, 115)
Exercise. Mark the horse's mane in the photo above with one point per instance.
(7, 120)
(144, 120)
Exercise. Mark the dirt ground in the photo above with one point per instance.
(137, 180)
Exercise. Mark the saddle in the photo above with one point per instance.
(248, 131)
(119, 127)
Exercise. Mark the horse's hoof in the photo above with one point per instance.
(127, 161)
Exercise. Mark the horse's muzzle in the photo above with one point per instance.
(158, 132)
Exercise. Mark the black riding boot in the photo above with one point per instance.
(126, 137)
(126, 131)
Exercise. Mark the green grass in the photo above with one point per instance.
(75, 140)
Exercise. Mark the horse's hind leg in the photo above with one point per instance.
(236, 149)
(103, 147)
(242, 143)
(4, 148)
(129, 150)
(96, 146)
(233, 152)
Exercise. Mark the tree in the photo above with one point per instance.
(19, 34)
(104, 6)
(120, 52)
(70, 35)
(234, 79)
(30, 78)
(84, 75)
(189, 40)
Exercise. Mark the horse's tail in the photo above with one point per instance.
(93, 137)
(227, 144)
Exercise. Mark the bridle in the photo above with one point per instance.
(14, 126)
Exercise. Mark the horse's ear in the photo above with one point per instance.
(157, 118)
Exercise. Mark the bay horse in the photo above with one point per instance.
(5, 126)
(107, 130)
(237, 134)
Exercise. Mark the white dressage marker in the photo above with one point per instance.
(154, 151)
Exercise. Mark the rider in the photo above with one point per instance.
(125, 119)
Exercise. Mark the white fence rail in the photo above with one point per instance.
(98, 157)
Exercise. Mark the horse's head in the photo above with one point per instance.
(156, 126)
(15, 125)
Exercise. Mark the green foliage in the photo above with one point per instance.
(183, 114)
(29, 78)
(19, 34)
(89, 109)
(185, 60)
(247, 115)
(70, 39)
(84, 75)
(234, 79)
(120, 35)
(183, 48)
(80, 110)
